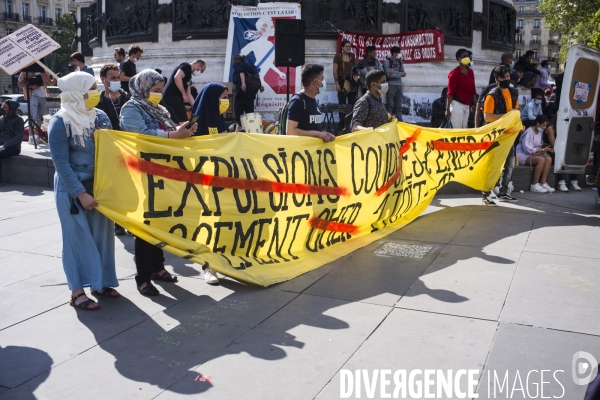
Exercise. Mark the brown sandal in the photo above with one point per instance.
(106, 292)
(85, 305)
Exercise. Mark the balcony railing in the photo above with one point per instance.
(552, 42)
(11, 17)
(535, 41)
(26, 18)
(45, 21)
(530, 12)
(526, 1)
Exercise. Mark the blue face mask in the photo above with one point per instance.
(114, 86)
(540, 130)
(538, 102)
(512, 63)
(324, 87)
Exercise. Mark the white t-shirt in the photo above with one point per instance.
(40, 92)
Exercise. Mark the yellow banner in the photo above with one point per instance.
(266, 208)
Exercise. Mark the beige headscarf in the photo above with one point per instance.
(79, 121)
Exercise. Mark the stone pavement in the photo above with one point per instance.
(507, 291)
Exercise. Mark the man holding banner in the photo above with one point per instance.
(304, 116)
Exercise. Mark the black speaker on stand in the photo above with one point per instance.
(289, 45)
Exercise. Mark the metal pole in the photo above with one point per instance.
(31, 130)
(287, 76)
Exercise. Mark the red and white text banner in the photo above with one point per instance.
(417, 46)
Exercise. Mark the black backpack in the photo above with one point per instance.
(348, 118)
(253, 85)
(283, 115)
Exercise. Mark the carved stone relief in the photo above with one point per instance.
(392, 12)
(453, 18)
(479, 21)
(499, 33)
(86, 50)
(94, 22)
(164, 13)
(132, 20)
(210, 18)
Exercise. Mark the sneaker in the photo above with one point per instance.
(549, 188)
(537, 188)
(496, 190)
(487, 200)
(562, 186)
(507, 197)
(510, 187)
(210, 277)
(575, 186)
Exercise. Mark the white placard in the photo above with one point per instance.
(12, 57)
(34, 41)
(24, 47)
(582, 90)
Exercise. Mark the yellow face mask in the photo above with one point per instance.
(155, 98)
(465, 61)
(93, 99)
(223, 105)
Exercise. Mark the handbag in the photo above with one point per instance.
(89, 189)
(347, 86)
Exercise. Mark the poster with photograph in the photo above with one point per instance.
(252, 34)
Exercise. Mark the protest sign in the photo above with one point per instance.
(24, 47)
(12, 57)
(252, 34)
(417, 46)
(264, 209)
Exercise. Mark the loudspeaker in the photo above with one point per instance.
(289, 42)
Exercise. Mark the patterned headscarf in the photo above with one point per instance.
(140, 86)
(79, 120)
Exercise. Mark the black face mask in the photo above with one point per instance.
(504, 84)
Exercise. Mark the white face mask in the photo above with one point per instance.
(196, 73)
(135, 59)
(384, 88)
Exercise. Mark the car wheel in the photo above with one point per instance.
(19, 112)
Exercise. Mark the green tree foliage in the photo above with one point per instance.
(64, 36)
(578, 21)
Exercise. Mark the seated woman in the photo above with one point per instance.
(11, 132)
(143, 114)
(210, 105)
(88, 254)
(531, 152)
(533, 108)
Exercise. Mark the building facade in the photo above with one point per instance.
(533, 34)
(18, 13)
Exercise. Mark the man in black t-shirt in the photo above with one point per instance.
(177, 91)
(128, 69)
(304, 117)
(111, 102)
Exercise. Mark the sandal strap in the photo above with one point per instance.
(78, 296)
(86, 303)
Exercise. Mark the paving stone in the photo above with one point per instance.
(153, 355)
(569, 237)
(309, 339)
(20, 266)
(486, 230)
(559, 292)
(520, 353)
(465, 281)
(410, 340)
(29, 222)
(426, 228)
(372, 278)
(34, 240)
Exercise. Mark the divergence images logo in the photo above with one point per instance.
(584, 371)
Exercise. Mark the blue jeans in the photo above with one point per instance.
(6, 152)
(88, 254)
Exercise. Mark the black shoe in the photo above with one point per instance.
(507, 197)
(148, 290)
(119, 230)
(487, 199)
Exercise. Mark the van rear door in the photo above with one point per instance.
(578, 105)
